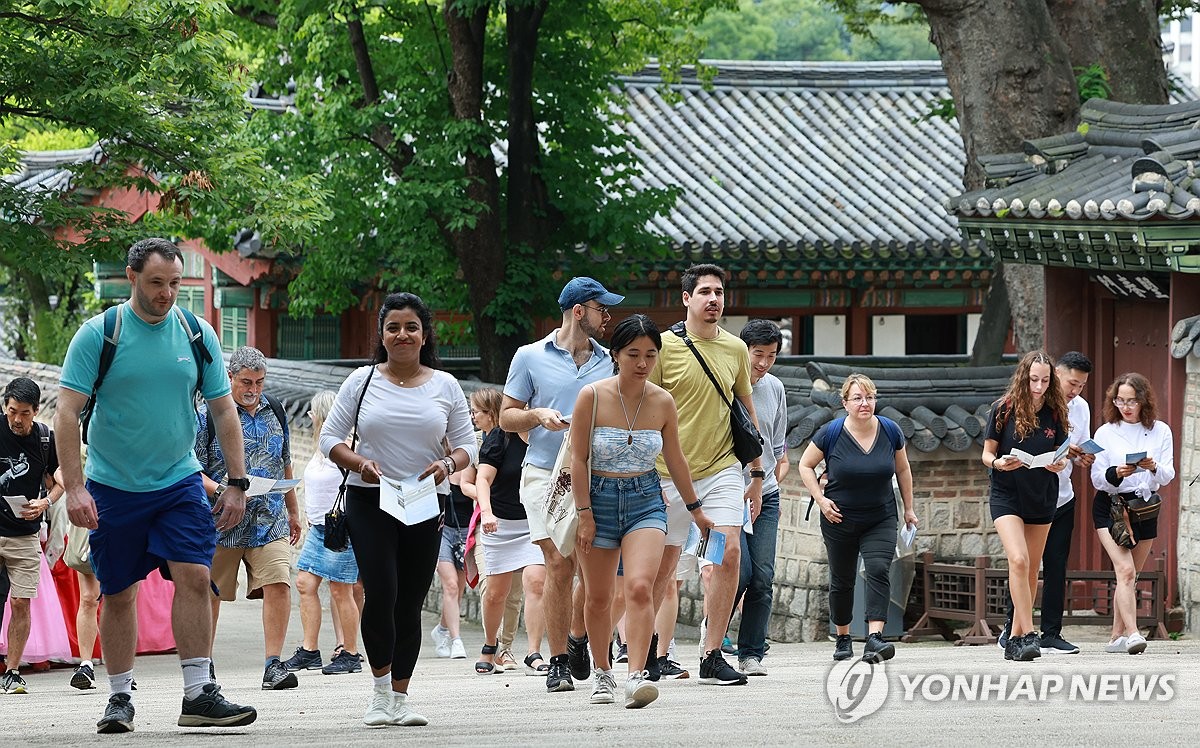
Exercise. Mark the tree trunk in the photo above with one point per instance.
(1010, 75)
(479, 249)
(528, 203)
(1123, 37)
(37, 296)
(993, 328)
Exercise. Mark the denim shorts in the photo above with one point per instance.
(315, 558)
(622, 505)
(450, 536)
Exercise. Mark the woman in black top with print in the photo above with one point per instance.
(506, 547)
(1031, 417)
(858, 510)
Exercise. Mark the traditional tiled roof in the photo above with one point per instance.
(934, 406)
(820, 163)
(49, 171)
(1113, 194)
(1185, 337)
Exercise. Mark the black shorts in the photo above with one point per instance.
(1001, 505)
(1102, 519)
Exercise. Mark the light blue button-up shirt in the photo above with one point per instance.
(543, 374)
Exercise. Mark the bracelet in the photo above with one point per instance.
(994, 459)
(694, 505)
(583, 509)
(448, 464)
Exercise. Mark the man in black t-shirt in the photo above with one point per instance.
(27, 465)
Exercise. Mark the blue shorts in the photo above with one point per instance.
(622, 505)
(141, 531)
(315, 558)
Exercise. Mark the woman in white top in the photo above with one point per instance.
(404, 406)
(322, 479)
(1130, 428)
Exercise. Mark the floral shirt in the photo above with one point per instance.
(267, 454)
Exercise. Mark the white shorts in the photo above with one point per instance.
(535, 481)
(723, 496)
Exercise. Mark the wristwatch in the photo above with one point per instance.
(757, 473)
(694, 505)
(242, 483)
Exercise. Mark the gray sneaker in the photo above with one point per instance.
(118, 715)
(638, 691)
(211, 709)
(752, 666)
(276, 677)
(605, 691)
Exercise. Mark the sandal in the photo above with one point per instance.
(506, 661)
(484, 667)
(531, 669)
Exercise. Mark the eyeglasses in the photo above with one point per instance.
(602, 309)
(1122, 403)
(859, 399)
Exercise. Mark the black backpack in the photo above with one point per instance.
(112, 335)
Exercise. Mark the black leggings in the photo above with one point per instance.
(844, 542)
(396, 564)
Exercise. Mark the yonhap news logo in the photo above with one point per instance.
(856, 689)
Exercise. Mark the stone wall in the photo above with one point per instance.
(1187, 468)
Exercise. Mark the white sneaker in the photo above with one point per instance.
(404, 716)
(752, 666)
(671, 649)
(441, 640)
(606, 687)
(638, 691)
(1135, 643)
(379, 708)
(1116, 645)
(457, 652)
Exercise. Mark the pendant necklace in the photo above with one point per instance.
(630, 423)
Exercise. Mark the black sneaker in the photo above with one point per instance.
(118, 715)
(304, 659)
(345, 662)
(1025, 648)
(579, 657)
(716, 671)
(276, 677)
(1055, 644)
(211, 709)
(622, 652)
(877, 649)
(1010, 647)
(652, 671)
(671, 670)
(559, 677)
(843, 649)
(83, 678)
(1005, 633)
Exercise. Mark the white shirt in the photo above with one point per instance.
(322, 479)
(1079, 413)
(401, 428)
(1120, 439)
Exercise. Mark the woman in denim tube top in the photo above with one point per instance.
(622, 513)
(1131, 428)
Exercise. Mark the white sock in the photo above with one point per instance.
(88, 663)
(195, 676)
(383, 682)
(121, 683)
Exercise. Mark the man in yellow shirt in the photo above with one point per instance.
(707, 442)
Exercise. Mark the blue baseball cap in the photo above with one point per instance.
(582, 289)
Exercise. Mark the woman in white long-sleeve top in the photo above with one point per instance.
(1130, 427)
(403, 407)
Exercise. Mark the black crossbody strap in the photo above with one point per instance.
(679, 329)
(354, 429)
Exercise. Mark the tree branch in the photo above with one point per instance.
(259, 17)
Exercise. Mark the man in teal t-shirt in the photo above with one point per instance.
(143, 499)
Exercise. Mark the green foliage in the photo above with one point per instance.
(156, 83)
(397, 206)
(1092, 82)
(943, 108)
(808, 30)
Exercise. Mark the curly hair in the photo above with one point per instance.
(1145, 396)
(1019, 402)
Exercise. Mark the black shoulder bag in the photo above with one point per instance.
(747, 441)
(337, 533)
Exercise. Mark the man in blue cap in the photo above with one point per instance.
(543, 381)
